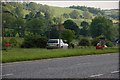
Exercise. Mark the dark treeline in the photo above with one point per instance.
(97, 11)
(90, 9)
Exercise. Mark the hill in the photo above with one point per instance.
(113, 13)
(83, 13)
(59, 11)
(23, 9)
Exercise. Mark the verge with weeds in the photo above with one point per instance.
(19, 54)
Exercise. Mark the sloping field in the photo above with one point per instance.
(59, 11)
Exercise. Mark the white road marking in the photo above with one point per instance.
(114, 72)
(96, 75)
(7, 74)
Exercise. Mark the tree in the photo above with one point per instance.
(65, 15)
(33, 6)
(30, 16)
(57, 20)
(19, 27)
(69, 24)
(7, 20)
(53, 33)
(35, 26)
(101, 26)
(84, 42)
(85, 28)
(19, 11)
(48, 12)
(68, 35)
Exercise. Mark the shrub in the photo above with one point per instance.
(84, 42)
(3, 42)
(94, 41)
(13, 41)
(109, 44)
(97, 40)
(34, 42)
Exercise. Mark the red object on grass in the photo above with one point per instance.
(7, 44)
(99, 47)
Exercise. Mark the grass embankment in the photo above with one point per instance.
(19, 54)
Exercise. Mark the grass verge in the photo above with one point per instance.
(19, 54)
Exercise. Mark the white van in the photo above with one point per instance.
(54, 43)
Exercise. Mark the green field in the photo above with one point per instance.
(58, 11)
(19, 54)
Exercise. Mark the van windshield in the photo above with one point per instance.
(53, 41)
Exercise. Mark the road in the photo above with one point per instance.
(90, 66)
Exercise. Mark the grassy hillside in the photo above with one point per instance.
(60, 10)
(113, 13)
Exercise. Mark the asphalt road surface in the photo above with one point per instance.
(91, 66)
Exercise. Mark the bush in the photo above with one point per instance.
(94, 41)
(13, 42)
(109, 44)
(34, 42)
(84, 42)
(97, 40)
(3, 42)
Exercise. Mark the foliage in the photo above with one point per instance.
(48, 12)
(87, 15)
(69, 24)
(85, 28)
(34, 42)
(57, 20)
(74, 14)
(14, 42)
(94, 41)
(32, 6)
(65, 15)
(3, 44)
(20, 19)
(90, 9)
(19, 11)
(54, 33)
(19, 26)
(84, 42)
(7, 20)
(35, 26)
(113, 13)
(109, 43)
(68, 35)
(101, 26)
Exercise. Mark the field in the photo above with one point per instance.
(19, 54)
(58, 11)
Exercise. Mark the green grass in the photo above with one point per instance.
(58, 11)
(18, 54)
(25, 12)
